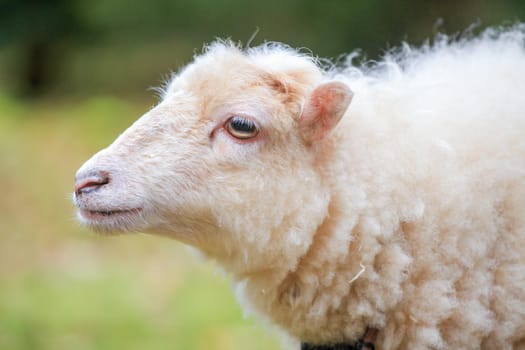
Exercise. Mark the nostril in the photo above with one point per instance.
(91, 182)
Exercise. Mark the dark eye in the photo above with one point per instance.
(241, 128)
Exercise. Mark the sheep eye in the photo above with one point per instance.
(241, 128)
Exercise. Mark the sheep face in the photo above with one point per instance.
(226, 161)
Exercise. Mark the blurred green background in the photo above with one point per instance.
(73, 75)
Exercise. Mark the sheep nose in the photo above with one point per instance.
(90, 182)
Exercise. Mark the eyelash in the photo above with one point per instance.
(241, 128)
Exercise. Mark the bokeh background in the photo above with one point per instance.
(73, 75)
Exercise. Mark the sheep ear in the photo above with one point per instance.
(325, 107)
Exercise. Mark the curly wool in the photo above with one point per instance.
(424, 236)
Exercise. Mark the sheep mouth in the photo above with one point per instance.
(109, 219)
(109, 212)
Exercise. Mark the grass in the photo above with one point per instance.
(62, 287)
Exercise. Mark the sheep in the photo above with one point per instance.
(387, 196)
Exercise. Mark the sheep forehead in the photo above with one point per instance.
(226, 69)
(230, 75)
(269, 84)
(216, 79)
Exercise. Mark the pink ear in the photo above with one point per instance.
(323, 110)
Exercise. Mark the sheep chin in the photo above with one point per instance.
(112, 221)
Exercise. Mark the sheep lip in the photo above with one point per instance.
(104, 214)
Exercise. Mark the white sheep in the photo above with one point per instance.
(404, 213)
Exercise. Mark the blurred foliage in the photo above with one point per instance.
(37, 29)
(118, 46)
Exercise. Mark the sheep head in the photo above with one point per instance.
(227, 161)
